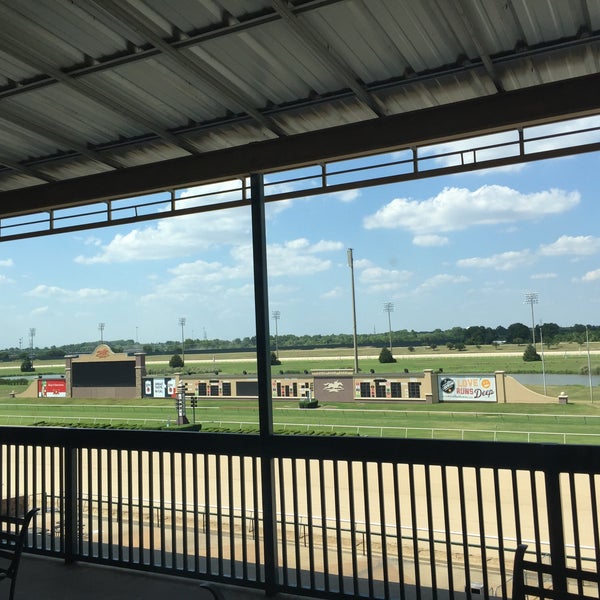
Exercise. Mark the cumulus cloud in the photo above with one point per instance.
(63, 294)
(7, 262)
(455, 209)
(378, 279)
(581, 245)
(505, 261)
(441, 280)
(334, 294)
(591, 276)
(176, 237)
(430, 240)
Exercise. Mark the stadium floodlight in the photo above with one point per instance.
(182, 325)
(388, 307)
(276, 315)
(532, 298)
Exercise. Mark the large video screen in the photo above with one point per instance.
(104, 374)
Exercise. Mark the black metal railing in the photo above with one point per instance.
(373, 518)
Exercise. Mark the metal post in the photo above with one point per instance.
(263, 361)
(532, 298)
(388, 307)
(587, 342)
(351, 265)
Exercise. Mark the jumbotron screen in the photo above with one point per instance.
(104, 374)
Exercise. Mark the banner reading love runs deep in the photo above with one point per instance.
(470, 388)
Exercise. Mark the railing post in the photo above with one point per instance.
(263, 362)
(71, 508)
(555, 529)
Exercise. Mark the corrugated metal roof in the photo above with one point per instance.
(90, 86)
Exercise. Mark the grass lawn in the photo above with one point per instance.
(576, 422)
(572, 423)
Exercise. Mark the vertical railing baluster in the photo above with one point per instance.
(399, 535)
(368, 532)
(500, 529)
(415, 528)
(324, 536)
(71, 496)
(481, 526)
(555, 527)
(352, 513)
(464, 526)
(430, 529)
(231, 519)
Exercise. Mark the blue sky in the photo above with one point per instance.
(447, 251)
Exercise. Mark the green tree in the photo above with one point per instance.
(176, 361)
(27, 365)
(385, 356)
(530, 354)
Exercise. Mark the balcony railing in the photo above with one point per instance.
(316, 516)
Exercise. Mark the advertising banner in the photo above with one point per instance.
(52, 388)
(159, 387)
(467, 388)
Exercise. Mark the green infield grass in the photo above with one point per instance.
(577, 422)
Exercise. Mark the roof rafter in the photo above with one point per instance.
(20, 50)
(137, 21)
(532, 106)
(333, 63)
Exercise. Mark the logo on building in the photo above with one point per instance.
(333, 387)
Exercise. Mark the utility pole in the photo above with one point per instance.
(182, 325)
(101, 327)
(351, 265)
(31, 336)
(532, 298)
(388, 307)
(276, 316)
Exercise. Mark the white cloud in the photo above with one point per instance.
(346, 195)
(7, 262)
(326, 246)
(176, 237)
(544, 276)
(504, 261)
(58, 293)
(430, 240)
(334, 294)
(455, 209)
(441, 280)
(377, 279)
(581, 245)
(40, 310)
(591, 276)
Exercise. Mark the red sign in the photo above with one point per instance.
(52, 388)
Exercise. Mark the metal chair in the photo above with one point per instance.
(13, 535)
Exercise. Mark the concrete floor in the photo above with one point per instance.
(42, 578)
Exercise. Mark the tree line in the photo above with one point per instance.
(477, 335)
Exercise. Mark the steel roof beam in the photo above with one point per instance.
(544, 104)
(134, 19)
(333, 63)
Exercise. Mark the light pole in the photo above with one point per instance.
(351, 265)
(543, 365)
(587, 342)
(532, 298)
(388, 307)
(276, 316)
(182, 325)
(101, 327)
(31, 336)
